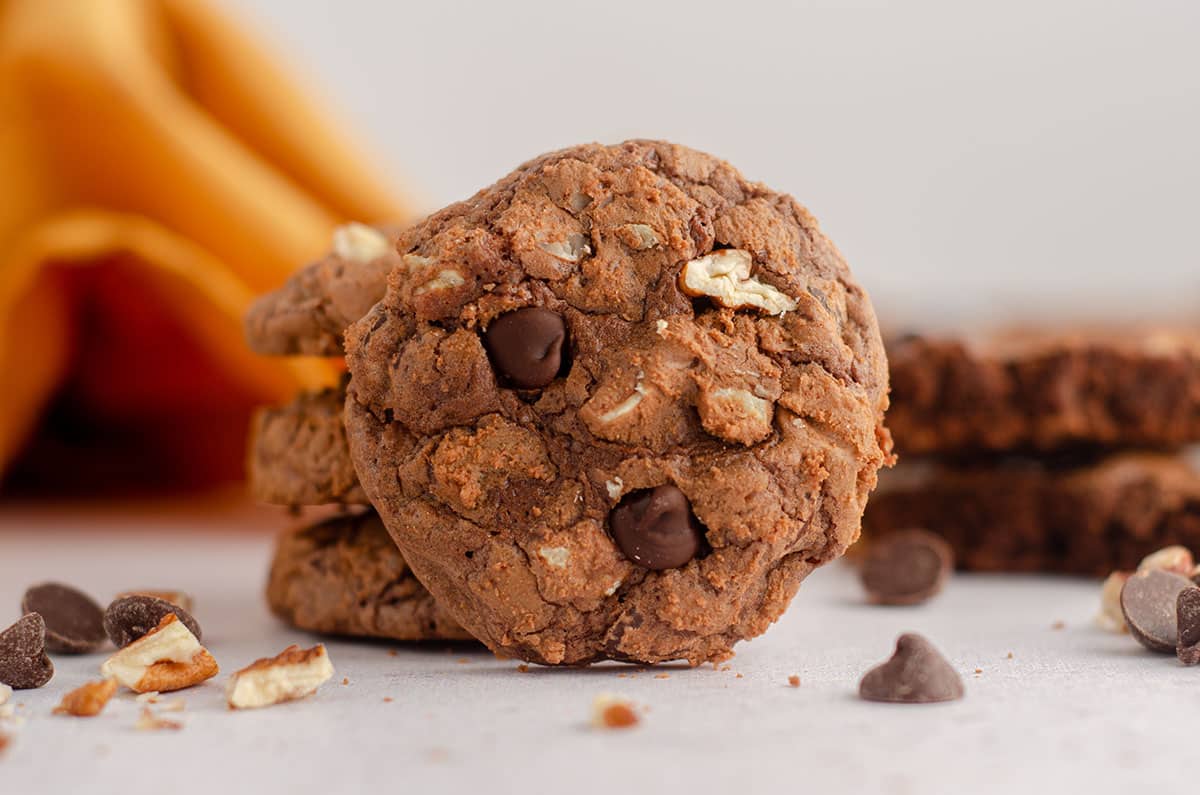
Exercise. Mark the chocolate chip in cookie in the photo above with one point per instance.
(23, 661)
(74, 622)
(527, 346)
(655, 528)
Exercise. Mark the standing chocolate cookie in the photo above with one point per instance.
(618, 405)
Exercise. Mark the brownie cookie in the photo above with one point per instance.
(344, 576)
(618, 405)
(298, 453)
(1045, 391)
(308, 315)
(1025, 516)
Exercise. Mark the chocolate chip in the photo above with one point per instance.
(131, 617)
(1148, 601)
(916, 674)
(526, 346)
(23, 661)
(906, 568)
(656, 529)
(74, 622)
(1187, 613)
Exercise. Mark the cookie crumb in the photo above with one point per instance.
(345, 681)
(393, 653)
(793, 681)
(612, 712)
(978, 671)
(148, 721)
(739, 676)
(5, 740)
(5, 693)
(1057, 625)
(174, 705)
(522, 668)
(463, 661)
(387, 699)
(149, 697)
(87, 700)
(662, 676)
(1010, 655)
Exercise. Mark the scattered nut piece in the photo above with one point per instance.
(174, 705)
(724, 276)
(148, 721)
(611, 712)
(522, 668)
(293, 673)
(1057, 625)
(359, 243)
(794, 681)
(1110, 616)
(1175, 559)
(167, 658)
(149, 697)
(87, 700)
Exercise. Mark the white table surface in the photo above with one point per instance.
(1074, 709)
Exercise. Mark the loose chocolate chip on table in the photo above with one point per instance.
(1148, 602)
(906, 568)
(1187, 612)
(526, 346)
(23, 661)
(656, 529)
(131, 617)
(74, 622)
(916, 674)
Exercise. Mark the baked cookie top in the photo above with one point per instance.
(618, 405)
(1045, 390)
(308, 315)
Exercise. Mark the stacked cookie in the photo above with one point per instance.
(617, 405)
(342, 575)
(1046, 451)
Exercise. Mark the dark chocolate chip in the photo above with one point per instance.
(916, 674)
(1148, 601)
(23, 661)
(1187, 614)
(526, 346)
(131, 617)
(906, 568)
(74, 622)
(655, 528)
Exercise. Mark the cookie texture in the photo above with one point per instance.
(308, 315)
(298, 453)
(1025, 516)
(712, 340)
(1045, 391)
(344, 576)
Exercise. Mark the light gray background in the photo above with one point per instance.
(974, 161)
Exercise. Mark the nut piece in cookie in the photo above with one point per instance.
(168, 658)
(618, 405)
(293, 673)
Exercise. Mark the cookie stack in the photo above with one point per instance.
(342, 575)
(617, 405)
(1061, 452)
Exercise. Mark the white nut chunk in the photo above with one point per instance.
(1111, 617)
(360, 243)
(1175, 559)
(724, 276)
(573, 249)
(558, 557)
(735, 414)
(293, 673)
(443, 281)
(168, 657)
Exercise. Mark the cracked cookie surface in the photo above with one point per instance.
(344, 576)
(715, 367)
(298, 453)
(309, 313)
